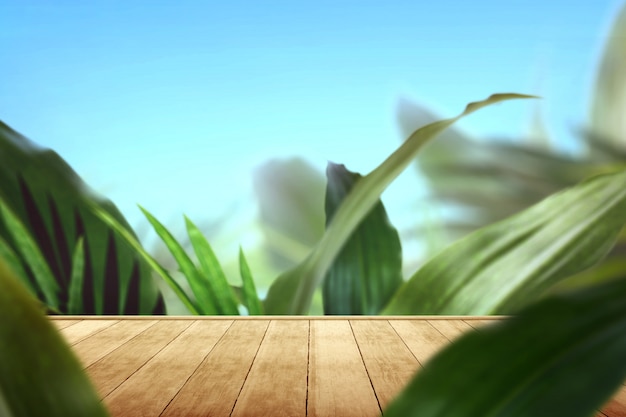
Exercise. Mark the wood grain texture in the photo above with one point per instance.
(107, 340)
(389, 362)
(277, 383)
(109, 372)
(213, 389)
(338, 381)
(169, 367)
(451, 328)
(616, 407)
(83, 329)
(422, 339)
(62, 324)
(148, 391)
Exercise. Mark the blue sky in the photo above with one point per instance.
(173, 104)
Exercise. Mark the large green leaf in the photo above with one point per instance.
(52, 203)
(368, 270)
(39, 375)
(502, 267)
(292, 291)
(563, 356)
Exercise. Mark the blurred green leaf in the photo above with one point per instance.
(213, 276)
(39, 376)
(563, 356)
(15, 265)
(250, 296)
(504, 266)
(52, 203)
(290, 195)
(292, 291)
(75, 303)
(368, 270)
(608, 101)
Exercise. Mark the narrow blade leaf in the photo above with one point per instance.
(75, 303)
(503, 267)
(368, 270)
(212, 272)
(291, 293)
(198, 285)
(250, 295)
(563, 356)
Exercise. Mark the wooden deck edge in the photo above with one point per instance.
(189, 317)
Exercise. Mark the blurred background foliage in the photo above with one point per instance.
(471, 183)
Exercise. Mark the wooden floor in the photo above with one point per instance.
(278, 366)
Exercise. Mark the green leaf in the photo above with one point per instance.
(31, 253)
(290, 196)
(563, 356)
(198, 285)
(250, 296)
(368, 270)
(502, 267)
(75, 303)
(15, 265)
(291, 292)
(608, 102)
(52, 203)
(213, 276)
(39, 376)
(130, 238)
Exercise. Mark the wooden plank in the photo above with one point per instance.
(338, 381)
(479, 323)
(389, 363)
(451, 328)
(148, 391)
(277, 382)
(62, 324)
(422, 339)
(616, 407)
(213, 389)
(113, 369)
(97, 346)
(82, 330)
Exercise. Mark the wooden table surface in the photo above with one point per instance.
(260, 366)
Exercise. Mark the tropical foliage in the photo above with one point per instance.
(57, 246)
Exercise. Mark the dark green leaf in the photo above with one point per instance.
(52, 203)
(368, 270)
(502, 267)
(39, 376)
(563, 356)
